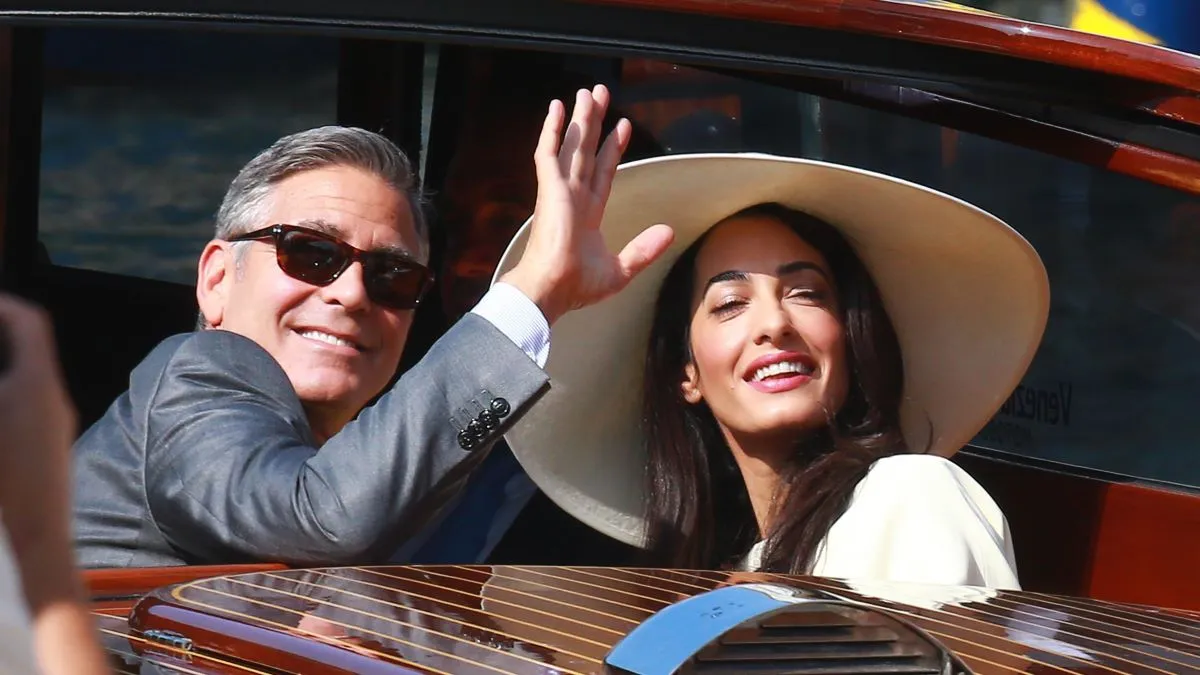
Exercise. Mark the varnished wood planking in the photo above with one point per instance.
(119, 582)
(127, 653)
(517, 619)
(1087, 537)
(1147, 548)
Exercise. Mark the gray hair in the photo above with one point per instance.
(322, 147)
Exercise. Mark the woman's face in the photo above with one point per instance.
(766, 332)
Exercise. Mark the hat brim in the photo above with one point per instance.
(968, 296)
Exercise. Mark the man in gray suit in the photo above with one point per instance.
(251, 440)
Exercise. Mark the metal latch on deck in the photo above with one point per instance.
(169, 638)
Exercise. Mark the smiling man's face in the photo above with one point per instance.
(337, 347)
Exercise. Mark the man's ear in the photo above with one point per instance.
(215, 275)
(691, 385)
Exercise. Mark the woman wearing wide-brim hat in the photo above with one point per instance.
(783, 388)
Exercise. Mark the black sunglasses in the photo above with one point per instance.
(391, 279)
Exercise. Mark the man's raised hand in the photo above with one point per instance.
(566, 265)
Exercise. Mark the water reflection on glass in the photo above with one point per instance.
(143, 130)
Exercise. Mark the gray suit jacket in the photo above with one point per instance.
(208, 457)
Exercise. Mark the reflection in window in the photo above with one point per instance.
(142, 132)
(1116, 383)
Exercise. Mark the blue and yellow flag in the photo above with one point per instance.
(1169, 23)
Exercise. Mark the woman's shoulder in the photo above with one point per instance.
(920, 518)
(925, 484)
(931, 468)
(905, 474)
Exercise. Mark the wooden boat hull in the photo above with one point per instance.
(542, 620)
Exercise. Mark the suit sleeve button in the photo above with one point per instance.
(466, 440)
(501, 407)
(489, 420)
(476, 429)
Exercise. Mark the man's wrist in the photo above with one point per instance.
(520, 319)
(538, 291)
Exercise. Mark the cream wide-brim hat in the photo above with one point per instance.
(968, 296)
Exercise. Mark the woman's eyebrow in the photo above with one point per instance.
(786, 268)
(727, 275)
(800, 266)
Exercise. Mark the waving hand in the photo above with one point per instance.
(566, 265)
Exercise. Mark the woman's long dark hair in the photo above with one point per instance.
(699, 513)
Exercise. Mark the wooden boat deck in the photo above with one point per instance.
(542, 620)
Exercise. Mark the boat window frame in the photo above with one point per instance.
(1115, 122)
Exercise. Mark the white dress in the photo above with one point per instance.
(916, 519)
(16, 635)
